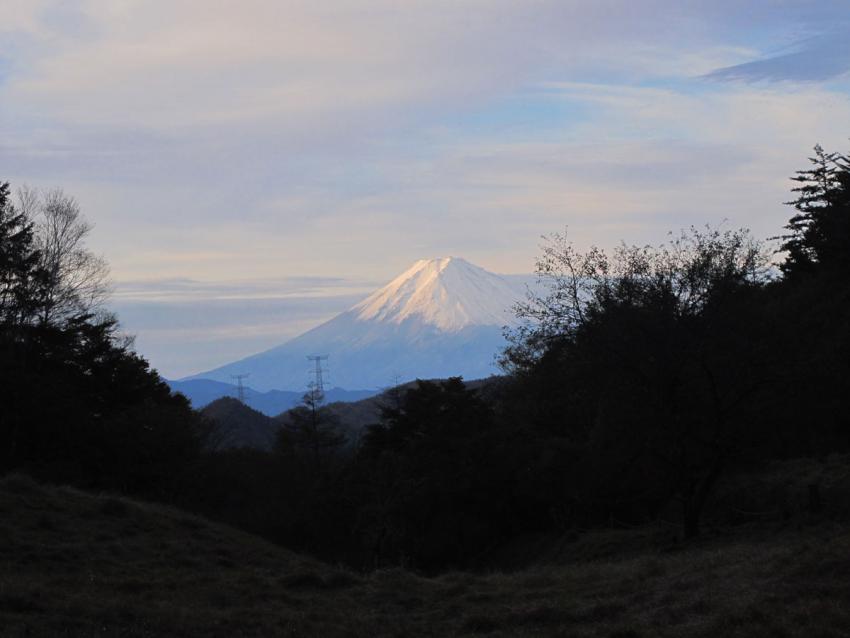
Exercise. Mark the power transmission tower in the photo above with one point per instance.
(240, 387)
(317, 385)
(394, 392)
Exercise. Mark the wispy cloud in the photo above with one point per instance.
(815, 59)
(191, 290)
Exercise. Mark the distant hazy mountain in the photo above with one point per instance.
(202, 392)
(440, 318)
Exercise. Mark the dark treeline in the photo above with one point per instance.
(638, 380)
(76, 404)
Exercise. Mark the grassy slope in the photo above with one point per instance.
(82, 565)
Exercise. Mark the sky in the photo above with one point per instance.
(253, 168)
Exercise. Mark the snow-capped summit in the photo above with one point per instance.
(449, 293)
(439, 318)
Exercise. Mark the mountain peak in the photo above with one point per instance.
(440, 317)
(439, 263)
(448, 293)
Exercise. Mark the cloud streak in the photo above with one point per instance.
(816, 59)
(190, 290)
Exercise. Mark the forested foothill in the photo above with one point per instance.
(645, 388)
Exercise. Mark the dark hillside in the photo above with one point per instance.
(354, 416)
(237, 425)
(240, 425)
(75, 564)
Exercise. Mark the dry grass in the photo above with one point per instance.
(73, 564)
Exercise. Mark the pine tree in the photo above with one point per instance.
(20, 276)
(819, 233)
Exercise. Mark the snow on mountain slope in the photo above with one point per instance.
(448, 293)
(441, 317)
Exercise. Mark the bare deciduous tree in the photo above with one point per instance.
(77, 279)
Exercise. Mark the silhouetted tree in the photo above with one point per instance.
(435, 476)
(654, 354)
(21, 278)
(819, 233)
(813, 302)
(312, 429)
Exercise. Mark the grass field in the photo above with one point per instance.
(75, 564)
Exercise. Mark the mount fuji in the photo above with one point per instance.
(439, 318)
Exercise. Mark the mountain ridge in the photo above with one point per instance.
(202, 392)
